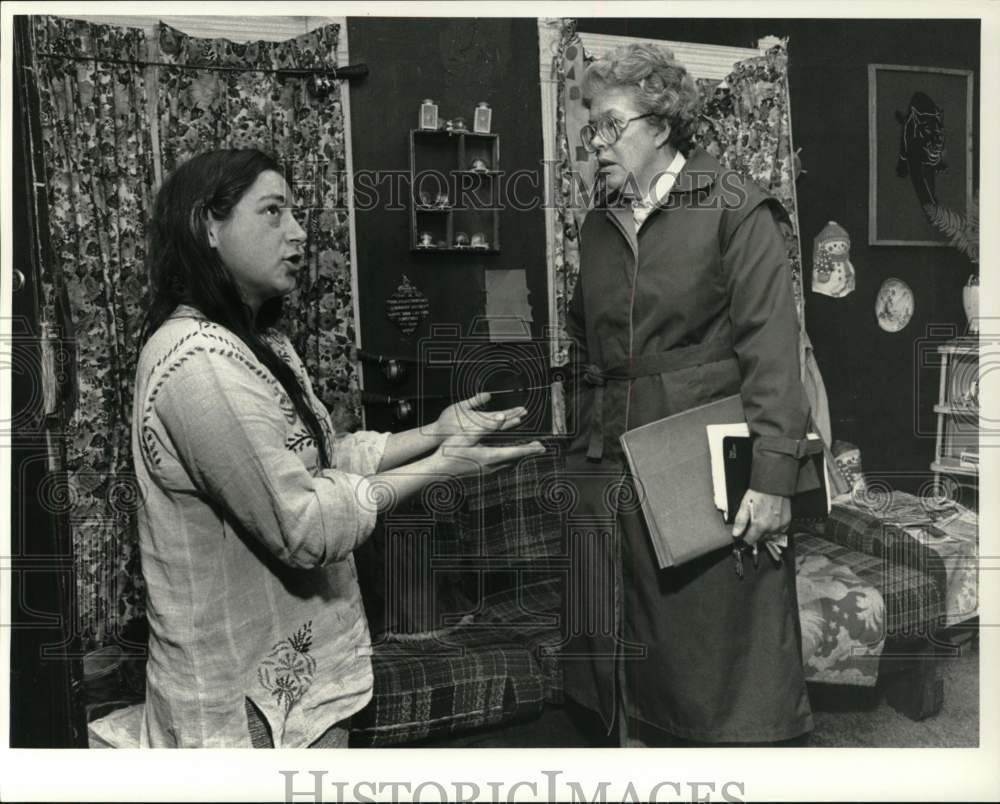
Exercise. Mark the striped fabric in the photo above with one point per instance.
(513, 519)
(530, 615)
(429, 687)
(880, 538)
(913, 602)
(502, 537)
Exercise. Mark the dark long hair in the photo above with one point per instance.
(184, 269)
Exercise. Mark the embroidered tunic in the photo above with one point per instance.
(246, 545)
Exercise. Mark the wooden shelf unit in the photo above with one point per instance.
(957, 410)
(441, 161)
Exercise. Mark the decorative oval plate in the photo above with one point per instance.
(894, 305)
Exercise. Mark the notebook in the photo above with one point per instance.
(671, 463)
(731, 466)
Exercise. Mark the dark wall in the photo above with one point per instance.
(45, 711)
(879, 396)
(458, 63)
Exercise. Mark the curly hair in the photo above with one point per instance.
(660, 86)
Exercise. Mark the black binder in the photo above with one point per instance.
(807, 506)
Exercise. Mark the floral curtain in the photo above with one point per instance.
(95, 141)
(252, 106)
(745, 124)
(574, 171)
(96, 136)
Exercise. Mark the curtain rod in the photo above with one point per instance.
(345, 73)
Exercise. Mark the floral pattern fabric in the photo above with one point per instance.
(98, 189)
(203, 103)
(100, 169)
(746, 125)
(842, 619)
(958, 551)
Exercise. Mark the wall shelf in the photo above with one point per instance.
(453, 250)
(957, 410)
(441, 162)
(952, 466)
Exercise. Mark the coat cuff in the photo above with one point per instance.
(774, 472)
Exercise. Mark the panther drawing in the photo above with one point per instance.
(921, 146)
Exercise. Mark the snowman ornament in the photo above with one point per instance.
(833, 273)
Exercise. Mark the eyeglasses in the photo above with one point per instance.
(608, 129)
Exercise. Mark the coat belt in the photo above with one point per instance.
(656, 363)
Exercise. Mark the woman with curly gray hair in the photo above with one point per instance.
(684, 297)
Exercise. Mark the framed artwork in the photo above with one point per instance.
(919, 151)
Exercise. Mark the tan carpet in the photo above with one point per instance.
(845, 717)
(852, 717)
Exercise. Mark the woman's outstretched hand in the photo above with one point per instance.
(466, 418)
(461, 427)
(458, 452)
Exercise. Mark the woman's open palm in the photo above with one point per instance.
(464, 424)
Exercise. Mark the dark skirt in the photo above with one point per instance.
(704, 655)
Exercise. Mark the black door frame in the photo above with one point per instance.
(45, 668)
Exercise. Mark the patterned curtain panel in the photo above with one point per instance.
(576, 172)
(745, 124)
(240, 107)
(95, 133)
(98, 184)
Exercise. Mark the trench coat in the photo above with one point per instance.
(695, 307)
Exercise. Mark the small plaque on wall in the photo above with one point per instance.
(407, 307)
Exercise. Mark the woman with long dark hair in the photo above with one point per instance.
(252, 503)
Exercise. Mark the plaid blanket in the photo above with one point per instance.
(482, 618)
(880, 538)
(426, 687)
(530, 615)
(914, 604)
(452, 681)
(508, 516)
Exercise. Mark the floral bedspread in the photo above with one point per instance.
(885, 565)
(960, 557)
(949, 532)
(842, 618)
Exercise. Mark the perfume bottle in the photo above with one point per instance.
(428, 114)
(482, 119)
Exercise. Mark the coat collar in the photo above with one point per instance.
(699, 173)
(622, 218)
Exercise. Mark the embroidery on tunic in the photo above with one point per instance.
(288, 670)
(234, 349)
(283, 348)
(299, 440)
